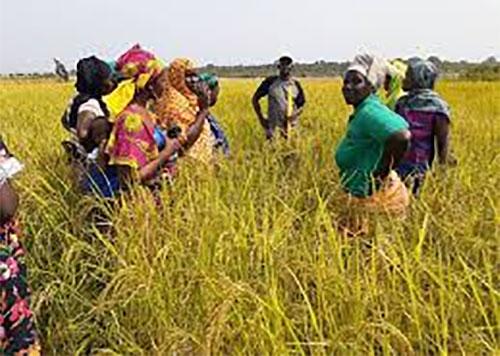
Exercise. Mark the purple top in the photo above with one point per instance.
(422, 126)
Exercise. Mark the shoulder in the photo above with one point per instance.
(266, 83)
(296, 81)
(93, 106)
(374, 110)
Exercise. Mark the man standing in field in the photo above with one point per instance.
(286, 100)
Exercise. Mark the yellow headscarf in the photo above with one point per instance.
(139, 67)
(179, 105)
(397, 71)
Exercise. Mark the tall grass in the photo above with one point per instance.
(247, 259)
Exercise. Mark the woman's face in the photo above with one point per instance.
(387, 82)
(108, 86)
(408, 82)
(192, 80)
(159, 85)
(356, 88)
(214, 95)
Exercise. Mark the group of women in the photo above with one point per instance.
(131, 120)
(391, 145)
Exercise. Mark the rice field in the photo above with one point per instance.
(246, 259)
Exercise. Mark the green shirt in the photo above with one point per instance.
(360, 151)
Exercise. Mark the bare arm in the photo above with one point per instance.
(83, 123)
(258, 111)
(150, 170)
(8, 202)
(442, 134)
(194, 131)
(395, 147)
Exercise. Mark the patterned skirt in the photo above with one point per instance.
(17, 331)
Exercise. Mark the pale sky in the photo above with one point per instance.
(244, 32)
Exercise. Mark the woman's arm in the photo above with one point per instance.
(8, 202)
(194, 131)
(395, 147)
(83, 124)
(150, 170)
(442, 134)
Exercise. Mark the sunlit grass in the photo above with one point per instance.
(247, 260)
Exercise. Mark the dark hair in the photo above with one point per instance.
(285, 60)
(91, 76)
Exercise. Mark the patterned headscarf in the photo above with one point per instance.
(421, 96)
(139, 65)
(178, 106)
(424, 73)
(211, 80)
(397, 72)
(373, 68)
(178, 102)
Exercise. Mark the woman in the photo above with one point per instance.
(94, 79)
(220, 140)
(394, 83)
(375, 141)
(87, 119)
(17, 331)
(134, 68)
(132, 147)
(429, 118)
(178, 105)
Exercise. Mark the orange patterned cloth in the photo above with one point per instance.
(392, 199)
(179, 105)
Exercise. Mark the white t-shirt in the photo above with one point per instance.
(91, 105)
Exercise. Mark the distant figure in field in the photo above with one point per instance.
(375, 141)
(61, 71)
(394, 82)
(17, 331)
(220, 141)
(286, 100)
(429, 118)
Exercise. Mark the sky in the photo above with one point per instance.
(228, 32)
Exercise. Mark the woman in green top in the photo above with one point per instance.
(375, 141)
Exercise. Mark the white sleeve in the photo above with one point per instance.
(93, 106)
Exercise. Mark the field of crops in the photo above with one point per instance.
(247, 259)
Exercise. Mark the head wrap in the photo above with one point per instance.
(373, 68)
(139, 65)
(421, 96)
(91, 74)
(210, 79)
(178, 106)
(397, 72)
(424, 73)
(136, 68)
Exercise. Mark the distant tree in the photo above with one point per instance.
(491, 60)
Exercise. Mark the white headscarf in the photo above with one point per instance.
(372, 67)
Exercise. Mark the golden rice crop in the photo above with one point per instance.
(247, 259)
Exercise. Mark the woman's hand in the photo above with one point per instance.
(203, 93)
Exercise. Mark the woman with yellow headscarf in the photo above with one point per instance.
(394, 82)
(178, 106)
(135, 67)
